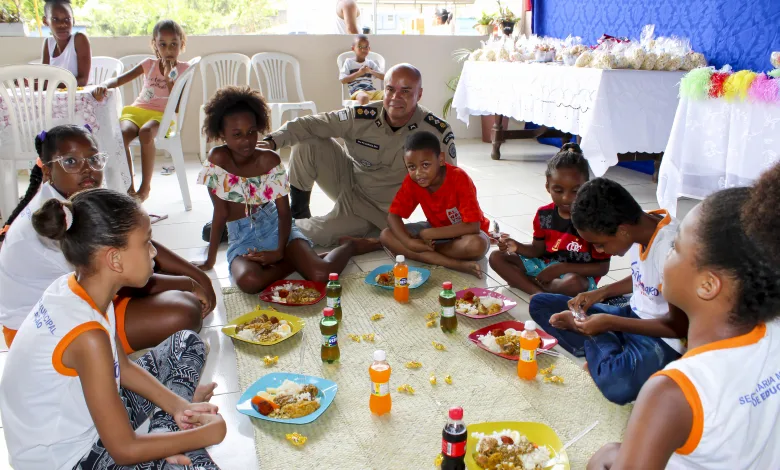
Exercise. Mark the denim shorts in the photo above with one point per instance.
(259, 231)
(533, 266)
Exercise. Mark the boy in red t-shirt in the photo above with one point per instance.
(558, 260)
(455, 233)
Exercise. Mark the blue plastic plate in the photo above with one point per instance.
(371, 278)
(327, 393)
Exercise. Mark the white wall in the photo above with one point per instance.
(317, 55)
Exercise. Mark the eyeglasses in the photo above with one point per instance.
(73, 164)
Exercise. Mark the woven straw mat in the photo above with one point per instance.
(348, 436)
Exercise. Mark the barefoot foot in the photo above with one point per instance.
(563, 321)
(204, 392)
(471, 267)
(362, 245)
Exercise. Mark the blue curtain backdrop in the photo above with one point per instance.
(742, 33)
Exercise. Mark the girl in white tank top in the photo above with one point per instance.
(717, 407)
(64, 48)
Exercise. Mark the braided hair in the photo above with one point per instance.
(733, 241)
(46, 145)
(570, 156)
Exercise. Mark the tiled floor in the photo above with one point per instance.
(510, 191)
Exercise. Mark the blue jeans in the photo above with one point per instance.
(620, 363)
(259, 231)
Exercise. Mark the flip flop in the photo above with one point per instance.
(156, 218)
(167, 170)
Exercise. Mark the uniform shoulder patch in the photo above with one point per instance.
(440, 124)
(365, 112)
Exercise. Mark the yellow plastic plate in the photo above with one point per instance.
(537, 433)
(295, 323)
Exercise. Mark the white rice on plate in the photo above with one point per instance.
(539, 456)
(415, 278)
(489, 341)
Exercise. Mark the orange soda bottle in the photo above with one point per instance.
(529, 342)
(401, 274)
(380, 402)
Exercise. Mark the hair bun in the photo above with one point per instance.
(50, 220)
(572, 147)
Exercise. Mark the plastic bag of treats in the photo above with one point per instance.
(584, 59)
(650, 59)
(621, 60)
(603, 60)
(635, 55)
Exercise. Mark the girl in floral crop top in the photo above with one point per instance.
(248, 188)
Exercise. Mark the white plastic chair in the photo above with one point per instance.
(225, 68)
(345, 96)
(170, 142)
(104, 69)
(273, 66)
(29, 113)
(129, 62)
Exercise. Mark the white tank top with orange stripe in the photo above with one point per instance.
(733, 388)
(45, 416)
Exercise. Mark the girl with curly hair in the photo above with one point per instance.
(249, 189)
(717, 407)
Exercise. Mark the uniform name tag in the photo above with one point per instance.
(367, 144)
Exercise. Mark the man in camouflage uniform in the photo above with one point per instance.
(363, 176)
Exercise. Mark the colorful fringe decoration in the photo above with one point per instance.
(737, 85)
(696, 84)
(764, 90)
(716, 84)
(704, 82)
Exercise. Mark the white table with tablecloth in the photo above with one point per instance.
(717, 144)
(613, 111)
(102, 117)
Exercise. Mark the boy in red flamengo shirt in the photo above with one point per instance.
(455, 233)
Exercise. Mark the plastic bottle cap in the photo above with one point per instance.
(530, 325)
(333, 276)
(380, 355)
(328, 312)
(447, 285)
(456, 413)
(400, 259)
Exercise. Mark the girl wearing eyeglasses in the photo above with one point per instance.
(170, 302)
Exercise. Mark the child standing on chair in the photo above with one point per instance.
(455, 232)
(65, 49)
(142, 118)
(358, 73)
(558, 260)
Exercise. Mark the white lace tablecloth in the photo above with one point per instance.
(102, 117)
(614, 111)
(717, 144)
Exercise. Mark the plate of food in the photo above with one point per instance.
(383, 277)
(263, 327)
(283, 397)
(482, 303)
(515, 445)
(503, 339)
(293, 293)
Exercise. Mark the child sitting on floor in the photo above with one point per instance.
(142, 118)
(717, 407)
(358, 73)
(455, 233)
(64, 49)
(175, 299)
(69, 398)
(606, 216)
(558, 260)
(248, 188)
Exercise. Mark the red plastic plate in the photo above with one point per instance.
(267, 294)
(509, 304)
(548, 342)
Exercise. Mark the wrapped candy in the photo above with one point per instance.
(269, 361)
(413, 365)
(438, 346)
(584, 59)
(377, 316)
(296, 439)
(354, 337)
(438, 460)
(430, 323)
(547, 370)
(406, 388)
(650, 60)
(432, 379)
(448, 379)
(368, 337)
(432, 316)
(553, 379)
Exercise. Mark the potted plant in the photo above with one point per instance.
(484, 24)
(506, 18)
(11, 23)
